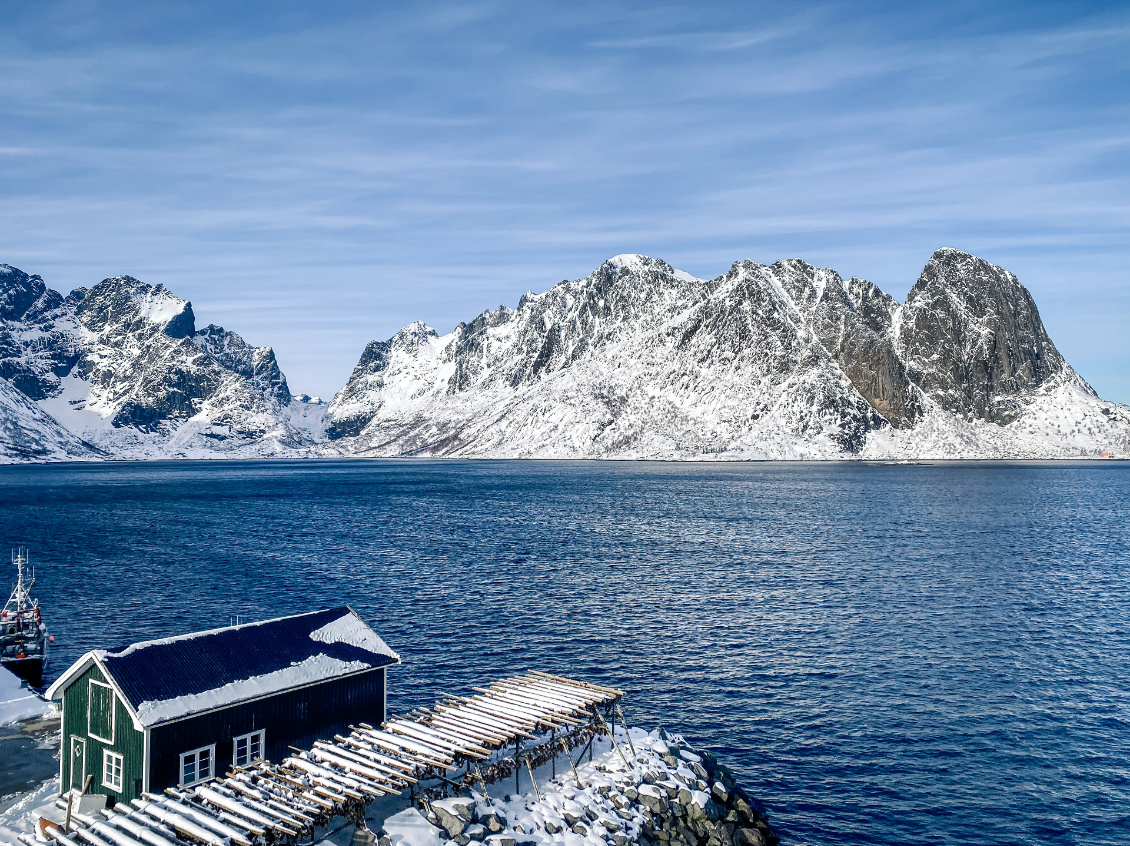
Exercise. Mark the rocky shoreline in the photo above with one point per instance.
(649, 788)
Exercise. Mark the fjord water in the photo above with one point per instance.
(886, 654)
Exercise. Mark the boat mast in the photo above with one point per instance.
(19, 597)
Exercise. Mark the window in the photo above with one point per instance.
(112, 770)
(100, 711)
(248, 748)
(196, 766)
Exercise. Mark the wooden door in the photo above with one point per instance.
(78, 763)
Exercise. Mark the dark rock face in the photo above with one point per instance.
(256, 364)
(34, 351)
(853, 322)
(973, 339)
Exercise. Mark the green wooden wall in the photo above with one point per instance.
(84, 716)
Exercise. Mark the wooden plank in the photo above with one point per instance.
(178, 823)
(361, 772)
(215, 825)
(406, 768)
(387, 774)
(430, 755)
(610, 692)
(140, 832)
(334, 781)
(488, 723)
(233, 806)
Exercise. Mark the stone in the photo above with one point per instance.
(683, 796)
(631, 794)
(553, 828)
(720, 793)
(500, 840)
(493, 821)
(581, 829)
(447, 820)
(475, 831)
(748, 837)
(651, 798)
(746, 810)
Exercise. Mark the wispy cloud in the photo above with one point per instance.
(355, 167)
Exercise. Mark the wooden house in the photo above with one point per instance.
(182, 710)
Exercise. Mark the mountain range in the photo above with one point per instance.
(638, 360)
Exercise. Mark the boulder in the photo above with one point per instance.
(748, 837)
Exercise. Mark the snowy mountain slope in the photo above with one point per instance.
(636, 360)
(121, 367)
(27, 433)
(640, 360)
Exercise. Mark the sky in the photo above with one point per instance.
(317, 175)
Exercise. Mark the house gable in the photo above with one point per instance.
(95, 722)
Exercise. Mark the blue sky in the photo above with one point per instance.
(316, 175)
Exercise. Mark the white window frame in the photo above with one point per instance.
(261, 735)
(195, 753)
(110, 762)
(113, 710)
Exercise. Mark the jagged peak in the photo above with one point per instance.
(415, 334)
(637, 262)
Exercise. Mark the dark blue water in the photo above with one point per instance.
(886, 654)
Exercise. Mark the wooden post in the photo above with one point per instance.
(517, 767)
(552, 738)
(627, 733)
(533, 780)
(573, 768)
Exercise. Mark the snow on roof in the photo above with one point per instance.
(349, 628)
(313, 669)
(174, 677)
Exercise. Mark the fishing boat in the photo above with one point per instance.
(23, 634)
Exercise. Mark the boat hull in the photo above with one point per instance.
(29, 669)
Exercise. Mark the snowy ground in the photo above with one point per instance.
(18, 703)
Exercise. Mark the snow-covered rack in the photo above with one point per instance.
(270, 803)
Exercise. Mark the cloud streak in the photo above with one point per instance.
(357, 168)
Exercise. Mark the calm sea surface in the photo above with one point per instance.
(886, 654)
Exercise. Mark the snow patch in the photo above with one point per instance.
(352, 630)
(18, 703)
(314, 669)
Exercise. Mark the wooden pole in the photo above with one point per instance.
(569, 757)
(627, 733)
(533, 780)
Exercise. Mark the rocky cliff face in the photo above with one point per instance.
(120, 370)
(973, 339)
(779, 361)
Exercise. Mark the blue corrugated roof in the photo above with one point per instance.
(198, 663)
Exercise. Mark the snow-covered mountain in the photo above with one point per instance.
(640, 360)
(120, 371)
(637, 360)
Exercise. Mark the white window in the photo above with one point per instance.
(248, 748)
(197, 766)
(112, 770)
